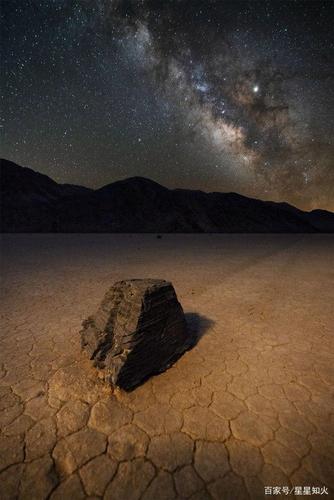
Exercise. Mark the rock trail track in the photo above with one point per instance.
(251, 405)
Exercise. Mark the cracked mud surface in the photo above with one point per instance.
(251, 405)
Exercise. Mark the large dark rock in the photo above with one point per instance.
(138, 330)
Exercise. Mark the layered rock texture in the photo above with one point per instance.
(138, 330)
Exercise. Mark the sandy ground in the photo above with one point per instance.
(249, 407)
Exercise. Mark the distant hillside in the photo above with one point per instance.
(32, 202)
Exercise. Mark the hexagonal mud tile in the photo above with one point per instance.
(138, 400)
(236, 367)
(227, 405)
(127, 443)
(322, 424)
(276, 454)
(271, 391)
(29, 389)
(75, 382)
(11, 450)
(16, 373)
(182, 400)
(8, 415)
(322, 444)
(161, 488)
(202, 423)
(40, 439)
(131, 480)
(293, 441)
(19, 426)
(71, 417)
(242, 387)
(217, 381)
(75, 450)
(8, 399)
(187, 481)
(295, 422)
(296, 392)
(245, 458)
(70, 488)
(326, 373)
(39, 408)
(108, 415)
(158, 419)
(211, 460)
(260, 405)
(248, 427)
(41, 372)
(38, 477)
(202, 396)
(169, 451)
(97, 474)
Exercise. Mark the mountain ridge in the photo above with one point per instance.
(33, 202)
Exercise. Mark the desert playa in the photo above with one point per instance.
(248, 409)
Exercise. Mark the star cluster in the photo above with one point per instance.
(212, 95)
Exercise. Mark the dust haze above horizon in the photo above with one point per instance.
(211, 95)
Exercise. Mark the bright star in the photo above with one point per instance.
(255, 88)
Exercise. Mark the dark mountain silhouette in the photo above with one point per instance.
(32, 202)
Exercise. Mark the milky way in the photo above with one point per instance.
(215, 95)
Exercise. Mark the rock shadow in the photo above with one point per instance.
(198, 325)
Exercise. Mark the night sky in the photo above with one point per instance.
(211, 95)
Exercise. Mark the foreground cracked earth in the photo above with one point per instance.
(251, 405)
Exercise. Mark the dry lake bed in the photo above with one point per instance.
(247, 413)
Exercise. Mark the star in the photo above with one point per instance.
(170, 93)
